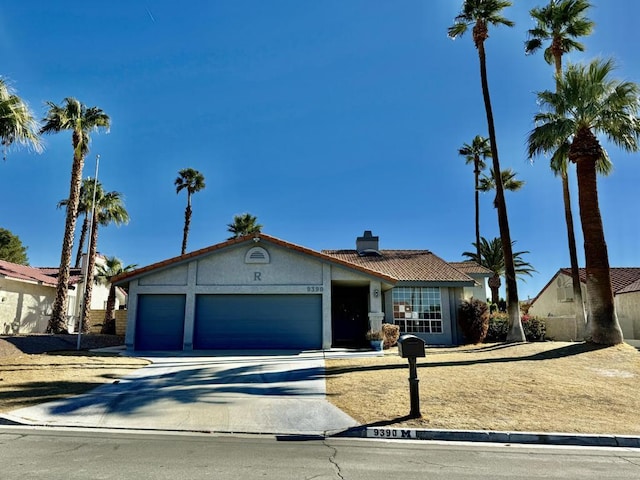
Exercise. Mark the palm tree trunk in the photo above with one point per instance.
(109, 324)
(91, 264)
(581, 327)
(601, 314)
(58, 320)
(494, 286)
(573, 257)
(83, 237)
(476, 173)
(516, 332)
(187, 222)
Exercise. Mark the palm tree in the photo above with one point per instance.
(481, 14)
(509, 182)
(491, 257)
(84, 208)
(476, 152)
(245, 224)
(109, 208)
(588, 103)
(561, 22)
(192, 181)
(81, 120)
(16, 121)
(111, 267)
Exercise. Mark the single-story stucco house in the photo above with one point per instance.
(27, 295)
(260, 292)
(555, 302)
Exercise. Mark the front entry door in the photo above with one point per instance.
(349, 316)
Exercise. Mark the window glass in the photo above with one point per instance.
(417, 309)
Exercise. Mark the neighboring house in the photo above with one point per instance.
(480, 274)
(260, 292)
(26, 298)
(27, 295)
(555, 302)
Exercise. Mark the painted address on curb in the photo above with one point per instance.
(390, 433)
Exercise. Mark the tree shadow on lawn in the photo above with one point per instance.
(191, 385)
(556, 353)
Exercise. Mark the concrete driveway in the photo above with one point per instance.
(261, 393)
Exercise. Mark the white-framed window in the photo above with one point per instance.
(417, 309)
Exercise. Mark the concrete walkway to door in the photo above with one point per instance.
(277, 393)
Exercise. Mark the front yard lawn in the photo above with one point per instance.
(541, 387)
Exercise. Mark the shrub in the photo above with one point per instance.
(374, 335)
(534, 328)
(474, 320)
(391, 334)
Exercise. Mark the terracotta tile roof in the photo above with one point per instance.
(406, 265)
(471, 267)
(25, 273)
(125, 277)
(621, 277)
(632, 287)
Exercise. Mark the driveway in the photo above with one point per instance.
(261, 393)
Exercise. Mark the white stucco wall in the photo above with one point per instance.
(479, 291)
(628, 310)
(24, 307)
(547, 304)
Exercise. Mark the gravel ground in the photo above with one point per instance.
(43, 343)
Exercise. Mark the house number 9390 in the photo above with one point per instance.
(314, 289)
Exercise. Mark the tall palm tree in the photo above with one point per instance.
(81, 120)
(509, 182)
(560, 23)
(588, 103)
(491, 257)
(480, 14)
(111, 267)
(17, 123)
(84, 208)
(245, 224)
(192, 181)
(109, 208)
(476, 152)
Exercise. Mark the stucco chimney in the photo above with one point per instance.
(367, 244)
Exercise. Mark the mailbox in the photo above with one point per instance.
(410, 346)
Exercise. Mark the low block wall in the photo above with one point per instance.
(561, 329)
(96, 318)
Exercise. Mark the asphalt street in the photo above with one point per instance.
(69, 454)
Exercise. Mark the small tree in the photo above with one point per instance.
(11, 248)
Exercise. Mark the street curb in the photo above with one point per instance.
(529, 438)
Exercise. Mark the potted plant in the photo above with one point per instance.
(376, 339)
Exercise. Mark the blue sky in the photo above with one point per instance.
(323, 119)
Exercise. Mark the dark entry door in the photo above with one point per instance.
(349, 316)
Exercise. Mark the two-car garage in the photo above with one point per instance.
(230, 321)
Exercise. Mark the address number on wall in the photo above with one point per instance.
(314, 289)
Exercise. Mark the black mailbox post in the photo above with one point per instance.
(412, 347)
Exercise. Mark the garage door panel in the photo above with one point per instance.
(160, 322)
(258, 322)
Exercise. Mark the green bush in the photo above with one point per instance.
(534, 328)
(474, 320)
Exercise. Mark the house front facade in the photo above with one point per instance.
(260, 292)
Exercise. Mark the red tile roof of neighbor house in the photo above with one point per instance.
(406, 265)
(621, 277)
(25, 273)
(123, 278)
(471, 267)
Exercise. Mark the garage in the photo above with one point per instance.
(160, 322)
(257, 322)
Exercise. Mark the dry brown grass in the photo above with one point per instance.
(543, 387)
(27, 380)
